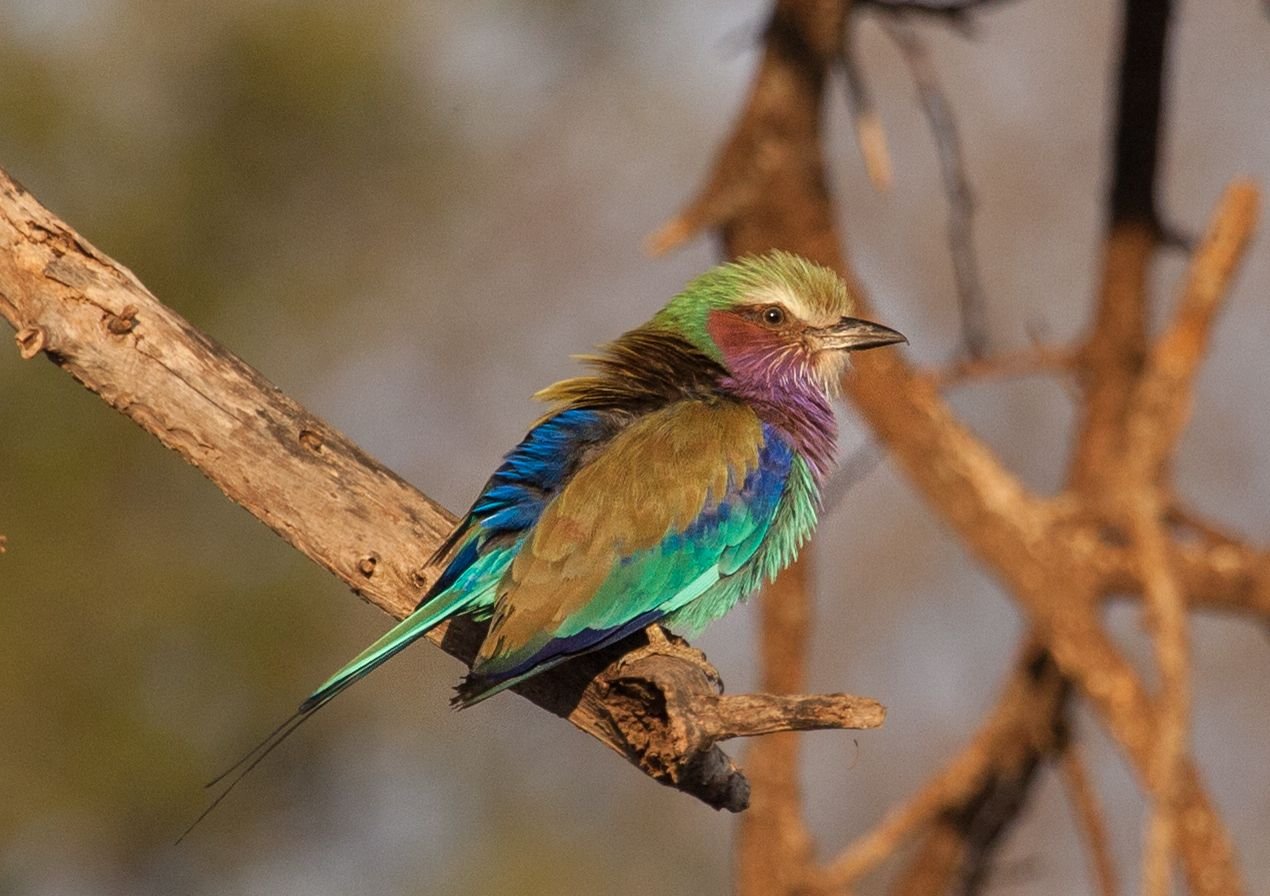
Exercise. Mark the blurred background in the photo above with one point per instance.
(408, 216)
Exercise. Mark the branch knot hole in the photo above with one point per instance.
(122, 323)
(31, 341)
(311, 440)
(366, 565)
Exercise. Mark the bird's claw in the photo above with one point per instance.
(662, 642)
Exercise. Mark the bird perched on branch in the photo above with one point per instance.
(668, 484)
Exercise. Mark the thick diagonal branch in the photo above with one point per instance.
(341, 508)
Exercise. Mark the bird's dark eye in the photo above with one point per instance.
(774, 316)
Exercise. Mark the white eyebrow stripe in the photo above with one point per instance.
(795, 304)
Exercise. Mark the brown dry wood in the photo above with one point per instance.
(1058, 556)
(660, 708)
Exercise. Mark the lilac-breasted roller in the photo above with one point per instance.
(664, 487)
(668, 484)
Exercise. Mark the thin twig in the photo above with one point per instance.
(1161, 401)
(866, 123)
(1182, 517)
(1035, 360)
(956, 13)
(1091, 818)
(1166, 611)
(854, 469)
(952, 166)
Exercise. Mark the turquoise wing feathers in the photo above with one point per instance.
(594, 528)
(680, 516)
(486, 540)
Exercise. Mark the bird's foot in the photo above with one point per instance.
(662, 642)
(659, 637)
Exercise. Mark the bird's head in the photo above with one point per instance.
(773, 319)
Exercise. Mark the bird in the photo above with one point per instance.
(662, 488)
(667, 484)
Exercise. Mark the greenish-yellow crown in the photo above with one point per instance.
(812, 292)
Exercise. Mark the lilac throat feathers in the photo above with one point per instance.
(794, 403)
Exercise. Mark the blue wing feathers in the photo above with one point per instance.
(537, 468)
(672, 574)
(458, 565)
(485, 542)
(687, 567)
(514, 497)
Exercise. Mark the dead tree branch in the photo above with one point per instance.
(870, 135)
(1037, 360)
(1167, 611)
(92, 318)
(1116, 347)
(1116, 529)
(952, 168)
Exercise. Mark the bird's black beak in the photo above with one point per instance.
(852, 335)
